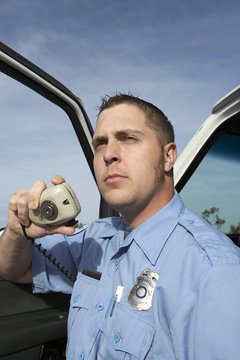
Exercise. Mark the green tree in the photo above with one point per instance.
(212, 217)
(235, 229)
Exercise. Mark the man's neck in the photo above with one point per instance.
(134, 219)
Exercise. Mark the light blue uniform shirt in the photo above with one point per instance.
(195, 312)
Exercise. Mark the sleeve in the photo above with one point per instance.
(217, 325)
(207, 323)
(62, 250)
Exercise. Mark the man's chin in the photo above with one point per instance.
(120, 206)
(119, 199)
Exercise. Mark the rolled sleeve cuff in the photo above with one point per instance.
(46, 278)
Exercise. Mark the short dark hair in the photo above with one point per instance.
(155, 118)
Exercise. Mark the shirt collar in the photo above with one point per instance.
(111, 226)
(154, 232)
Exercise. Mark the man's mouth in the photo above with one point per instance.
(114, 177)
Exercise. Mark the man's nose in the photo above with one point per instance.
(111, 153)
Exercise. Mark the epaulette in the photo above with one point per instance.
(218, 247)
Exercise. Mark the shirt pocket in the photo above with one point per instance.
(127, 335)
(82, 301)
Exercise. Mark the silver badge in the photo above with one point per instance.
(140, 297)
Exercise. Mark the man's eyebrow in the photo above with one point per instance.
(97, 139)
(117, 134)
(129, 131)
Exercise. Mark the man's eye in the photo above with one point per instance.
(99, 144)
(130, 139)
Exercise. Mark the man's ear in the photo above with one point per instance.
(170, 156)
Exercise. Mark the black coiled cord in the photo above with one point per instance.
(48, 256)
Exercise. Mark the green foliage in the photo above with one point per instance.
(211, 216)
(235, 229)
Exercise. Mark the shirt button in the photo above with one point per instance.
(81, 356)
(116, 262)
(117, 338)
(100, 307)
(190, 221)
(75, 299)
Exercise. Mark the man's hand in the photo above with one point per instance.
(23, 200)
(15, 249)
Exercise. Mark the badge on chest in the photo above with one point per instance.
(140, 297)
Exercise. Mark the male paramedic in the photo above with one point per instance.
(167, 284)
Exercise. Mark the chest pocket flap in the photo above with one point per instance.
(84, 290)
(127, 333)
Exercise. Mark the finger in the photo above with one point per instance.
(38, 231)
(58, 179)
(12, 203)
(13, 200)
(18, 205)
(35, 194)
(60, 229)
(66, 230)
(22, 208)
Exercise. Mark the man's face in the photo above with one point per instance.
(128, 161)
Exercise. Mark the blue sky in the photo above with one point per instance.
(183, 56)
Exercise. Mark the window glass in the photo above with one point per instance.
(37, 141)
(213, 190)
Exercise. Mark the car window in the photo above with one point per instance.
(37, 141)
(213, 190)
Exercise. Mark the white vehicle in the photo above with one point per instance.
(207, 172)
(207, 175)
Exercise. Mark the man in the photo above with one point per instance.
(169, 283)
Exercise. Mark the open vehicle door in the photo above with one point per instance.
(34, 327)
(207, 174)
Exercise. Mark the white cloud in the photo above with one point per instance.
(182, 56)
